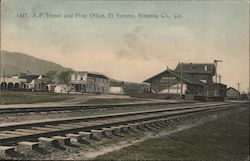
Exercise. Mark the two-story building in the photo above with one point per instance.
(187, 78)
(89, 82)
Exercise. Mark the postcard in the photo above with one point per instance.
(123, 80)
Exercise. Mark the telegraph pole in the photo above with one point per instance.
(0, 45)
(181, 80)
(238, 84)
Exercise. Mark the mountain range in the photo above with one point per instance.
(16, 62)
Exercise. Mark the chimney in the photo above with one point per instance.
(190, 66)
(205, 68)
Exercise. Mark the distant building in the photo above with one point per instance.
(116, 90)
(8, 83)
(34, 82)
(61, 88)
(24, 82)
(244, 96)
(116, 87)
(188, 79)
(232, 94)
(88, 82)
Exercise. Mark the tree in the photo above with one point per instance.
(64, 77)
(51, 75)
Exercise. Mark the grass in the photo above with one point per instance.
(19, 97)
(110, 100)
(14, 97)
(226, 138)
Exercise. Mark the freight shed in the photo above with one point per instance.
(232, 94)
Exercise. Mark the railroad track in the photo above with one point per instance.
(59, 130)
(11, 110)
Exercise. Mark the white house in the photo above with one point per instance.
(116, 90)
(61, 88)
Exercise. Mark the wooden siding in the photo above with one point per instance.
(232, 94)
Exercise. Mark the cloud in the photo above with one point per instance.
(156, 42)
(133, 45)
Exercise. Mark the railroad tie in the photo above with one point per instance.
(116, 129)
(108, 131)
(69, 125)
(28, 131)
(44, 129)
(149, 126)
(5, 135)
(75, 138)
(160, 123)
(155, 125)
(87, 123)
(140, 126)
(62, 139)
(163, 121)
(166, 121)
(18, 133)
(28, 145)
(97, 134)
(54, 127)
(48, 141)
(86, 135)
(124, 128)
(7, 150)
(132, 126)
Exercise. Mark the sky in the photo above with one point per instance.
(131, 49)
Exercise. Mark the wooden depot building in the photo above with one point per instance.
(188, 80)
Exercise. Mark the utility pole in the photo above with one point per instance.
(0, 44)
(3, 75)
(181, 81)
(216, 74)
(5, 85)
(0, 49)
(238, 84)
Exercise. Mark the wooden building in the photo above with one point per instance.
(61, 88)
(188, 79)
(197, 71)
(82, 81)
(232, 94)
(170, 81)
(9, 83)
(36, 82)
(25, 81)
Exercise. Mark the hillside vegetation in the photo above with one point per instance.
(16, 62)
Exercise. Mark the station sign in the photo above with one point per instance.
(168, 78)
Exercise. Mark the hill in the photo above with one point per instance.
(16, 62)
